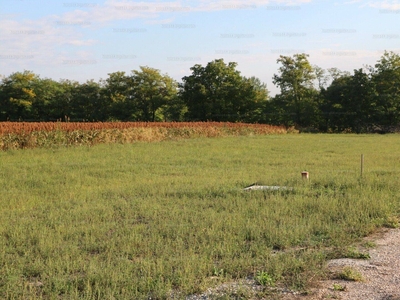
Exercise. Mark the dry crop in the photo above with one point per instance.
(19, 135)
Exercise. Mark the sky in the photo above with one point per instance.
(84, 40)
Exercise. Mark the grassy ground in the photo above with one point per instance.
(151, 220)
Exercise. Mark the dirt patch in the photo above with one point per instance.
(379, 277)
(380, 273)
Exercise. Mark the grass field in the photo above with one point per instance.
(152, 220)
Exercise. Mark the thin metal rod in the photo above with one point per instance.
(362, 164)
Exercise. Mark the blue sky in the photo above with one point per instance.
(81, 40)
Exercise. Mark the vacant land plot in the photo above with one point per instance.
(169, 219)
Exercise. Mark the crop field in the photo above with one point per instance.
(169, 219)
(22, 135)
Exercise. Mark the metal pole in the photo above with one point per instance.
(362, 164)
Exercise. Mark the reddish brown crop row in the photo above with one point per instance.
(28, 127)
(22, 135)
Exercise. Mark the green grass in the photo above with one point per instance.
(264, 278)
(151, 220)
(350, 274)
(339, 287)
(356, 254)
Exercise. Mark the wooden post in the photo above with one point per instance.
(362, 164)
(304, 175)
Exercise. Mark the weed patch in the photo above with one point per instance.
(350, 274)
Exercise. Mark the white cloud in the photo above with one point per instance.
(389, 5)
(383, 5)
(65, 37)
(30, 44)
(124, 10)
(88, 42)
(159, 21)
(48, 33)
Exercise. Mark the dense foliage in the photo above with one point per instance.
(310, 97)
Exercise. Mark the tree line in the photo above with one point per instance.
(310, 97)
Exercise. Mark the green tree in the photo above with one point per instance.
(17, 96)
(62, 108)
(334, 109)
(331, 114)
(175, 110)
(321, 77)
(362, 96)
(298, 95)
(277, 112)
(217, 92)
(87, 102)
(336, 73)
(386, 76)
(116, 88)
(258, 97)
(149, 93)
(47, 95)
(351, 102)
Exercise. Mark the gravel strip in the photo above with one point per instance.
(381, 274)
